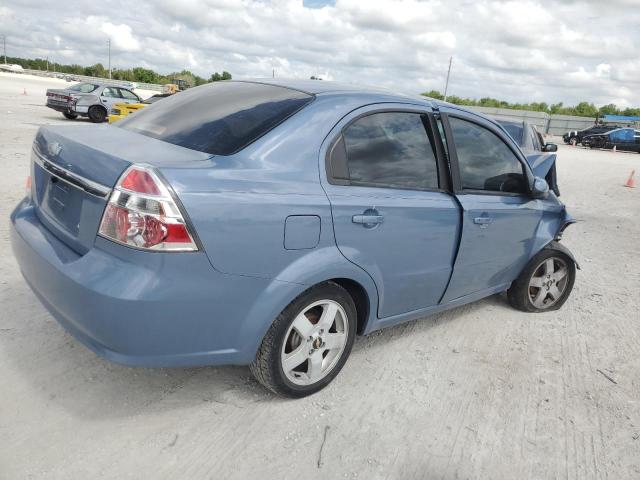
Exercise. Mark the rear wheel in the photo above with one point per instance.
(308, 343)
(97, 114)
(70, 116)
(545, 283)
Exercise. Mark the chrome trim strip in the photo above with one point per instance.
(93, 188)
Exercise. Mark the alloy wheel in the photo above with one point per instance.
(314, 343)
(548, 282)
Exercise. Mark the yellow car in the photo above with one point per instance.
(121, 110)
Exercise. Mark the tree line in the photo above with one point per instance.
(136, 74)
(146, 75)
(582, 109)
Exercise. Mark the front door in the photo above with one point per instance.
(391, 213)
(500, 217)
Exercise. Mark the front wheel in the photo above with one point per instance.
(308, 343)
(545, 283)
(573, 141)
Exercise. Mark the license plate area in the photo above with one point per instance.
(61, 202)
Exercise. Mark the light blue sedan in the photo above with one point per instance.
(267, 223)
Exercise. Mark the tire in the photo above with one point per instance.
(97, 114)
(553, 290)
(304, 344)
(70, 116)
(573, 141)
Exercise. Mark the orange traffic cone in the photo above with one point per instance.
(24, 91)
(631, 182)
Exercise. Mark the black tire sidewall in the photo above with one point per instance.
(327, 291)
(97, 114)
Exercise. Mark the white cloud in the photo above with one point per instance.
(523, 50)
(121, 36)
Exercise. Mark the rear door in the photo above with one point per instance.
(392, 215)
(500, 218)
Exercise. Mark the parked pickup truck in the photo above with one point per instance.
(93, 100)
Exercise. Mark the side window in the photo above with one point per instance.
(390, 149)
(127, 94)
(110, 92)
(485, 161)
(535, 140)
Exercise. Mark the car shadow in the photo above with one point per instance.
(381, 338)
(68, 375)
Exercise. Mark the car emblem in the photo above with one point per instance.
(54, 148)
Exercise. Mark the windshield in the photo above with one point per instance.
(218, 118)
(83, 87)
(514, 129)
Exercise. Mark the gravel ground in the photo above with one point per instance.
(482, 391)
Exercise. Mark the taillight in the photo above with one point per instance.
(142, 213)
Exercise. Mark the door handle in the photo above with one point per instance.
(367, 219)
(370, 218)
(482, 220)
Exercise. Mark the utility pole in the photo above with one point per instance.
(273, 73)
(47, 64)
(109, 44)
(446, 86)
(4, 42)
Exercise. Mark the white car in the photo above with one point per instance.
(93, 100)
(9, 67)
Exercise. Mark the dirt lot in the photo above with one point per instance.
(482, 391)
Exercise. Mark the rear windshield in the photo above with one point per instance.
(83, 88)
(219, 118)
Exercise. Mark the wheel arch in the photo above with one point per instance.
(279, 294)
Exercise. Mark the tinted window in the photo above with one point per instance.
(83, 88)
(535, 141)
(514, 130)
(218, 118)
(390, 149)
(485, 161)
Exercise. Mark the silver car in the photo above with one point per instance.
(93, 100)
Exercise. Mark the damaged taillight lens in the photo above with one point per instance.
(142, 213)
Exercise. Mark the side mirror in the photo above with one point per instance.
(550, 147)
(540, 188)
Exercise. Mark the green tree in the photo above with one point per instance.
(434, 94)
(216, 77)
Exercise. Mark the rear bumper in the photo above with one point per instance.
(139, 308)
(61, 108)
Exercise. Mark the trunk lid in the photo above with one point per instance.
(75, 167)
